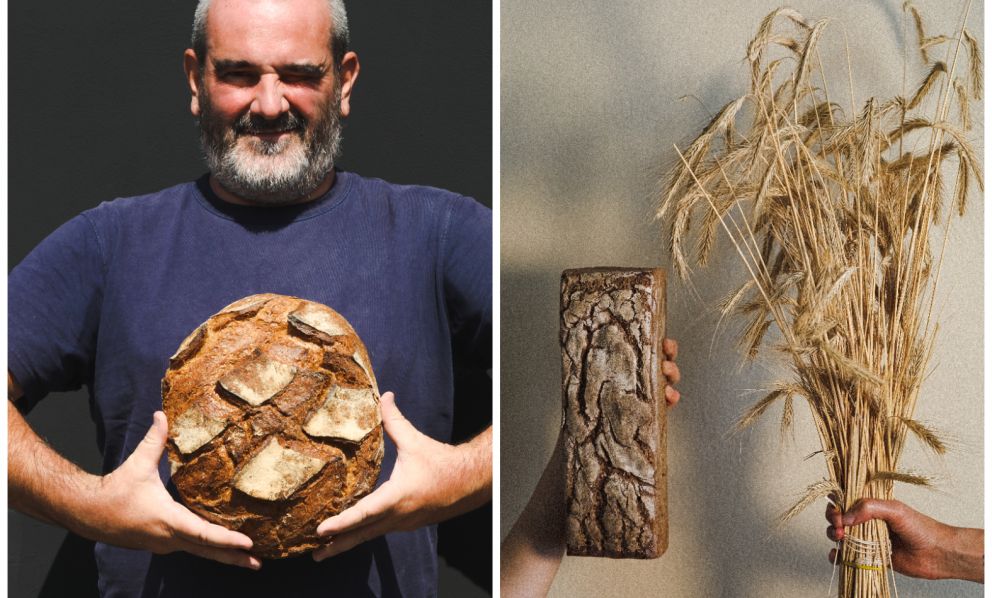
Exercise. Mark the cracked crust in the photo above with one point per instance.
(612, 326)
(238, 394)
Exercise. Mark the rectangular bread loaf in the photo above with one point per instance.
(612, 326)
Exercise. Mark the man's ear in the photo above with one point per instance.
(192, 68)
(347, 75)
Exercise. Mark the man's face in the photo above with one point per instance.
(269, 98)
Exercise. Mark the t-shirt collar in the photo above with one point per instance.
(274, 215)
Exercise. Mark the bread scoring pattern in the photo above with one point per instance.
(274, 420)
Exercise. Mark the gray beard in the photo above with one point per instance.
(271, 173)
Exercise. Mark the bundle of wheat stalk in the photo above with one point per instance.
(840, 220)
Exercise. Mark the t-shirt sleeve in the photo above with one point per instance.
(467, 254)
(53, 311)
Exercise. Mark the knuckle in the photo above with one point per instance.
(362, 516)
(201, 533)
(164, 540)
(166, 532)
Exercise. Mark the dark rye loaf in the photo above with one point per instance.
(274, 421)
(612, 326)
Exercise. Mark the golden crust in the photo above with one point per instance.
(252, 376)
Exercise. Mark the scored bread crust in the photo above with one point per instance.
(274, 420)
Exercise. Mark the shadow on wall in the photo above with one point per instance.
(725, 482)
(530, 391)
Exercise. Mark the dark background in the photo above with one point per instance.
(98, 109)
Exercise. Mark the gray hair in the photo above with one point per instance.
(339, 30)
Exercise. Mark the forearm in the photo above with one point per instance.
(528, 563)
(532, 551)
(42, 483)
(965, 557)
(471, 469)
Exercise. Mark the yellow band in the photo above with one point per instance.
(860, 566)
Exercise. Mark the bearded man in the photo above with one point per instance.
(105, 300)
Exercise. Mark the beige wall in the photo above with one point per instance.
(590, 109)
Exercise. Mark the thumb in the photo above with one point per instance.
(871, 508)
(398, 427)
(149, 451)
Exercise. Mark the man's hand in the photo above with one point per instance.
(431, 482)
(921, 546)
(129, 507)
(141, 514)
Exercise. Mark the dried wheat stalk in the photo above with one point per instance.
(837, 216)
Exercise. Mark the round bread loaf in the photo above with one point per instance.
(274, 421)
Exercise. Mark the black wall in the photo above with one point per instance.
(98, 109)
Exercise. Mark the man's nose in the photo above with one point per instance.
(269, 101)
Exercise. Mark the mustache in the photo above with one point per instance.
(248, 124)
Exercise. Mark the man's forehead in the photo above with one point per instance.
(267, 31)
(312, 11)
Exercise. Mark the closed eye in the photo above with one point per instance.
(240, 72)
(305, 75)
(238, 77)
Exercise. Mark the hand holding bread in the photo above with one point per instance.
(431, 481)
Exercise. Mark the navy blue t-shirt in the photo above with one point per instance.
(107, 298)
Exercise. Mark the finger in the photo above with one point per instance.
(190, 528)
(672, 396)
(345, 542)
(369, 510)
(670, 347)
(835, 533)
(227, 556)
(671, 371)
(866, 509)
(398, 427)
(833, 555)
(148, 453)
(834, 516)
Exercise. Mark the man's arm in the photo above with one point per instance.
(431, 481)
(129, 507)
(34, 469)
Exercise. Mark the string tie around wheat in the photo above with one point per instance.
(868, 555)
